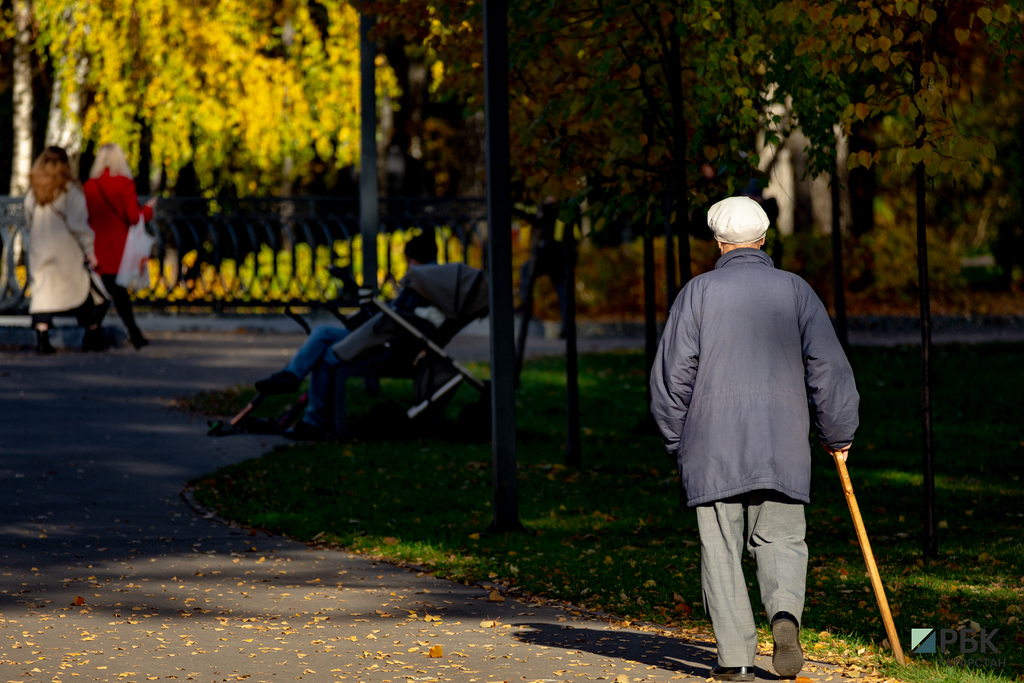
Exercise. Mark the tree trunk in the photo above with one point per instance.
(930, 542)
(680, 142)
(650, 313)
(671, 286)
(930, 546)
(64, 124)
(861, 184)
(839, 295)
(528, 281)
(21, 162)
(573, 449)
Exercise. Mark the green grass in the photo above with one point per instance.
(612, 535)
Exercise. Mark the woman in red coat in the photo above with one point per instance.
(113, 209)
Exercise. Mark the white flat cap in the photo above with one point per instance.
(737, 220)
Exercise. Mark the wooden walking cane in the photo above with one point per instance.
(869, 558)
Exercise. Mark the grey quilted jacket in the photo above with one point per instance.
(747, 355)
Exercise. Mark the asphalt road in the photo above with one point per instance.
(109, 575)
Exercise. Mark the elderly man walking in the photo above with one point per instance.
(745, 350)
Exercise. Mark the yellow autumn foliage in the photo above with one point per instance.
(237, 87)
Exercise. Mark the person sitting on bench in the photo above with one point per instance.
(315, 357)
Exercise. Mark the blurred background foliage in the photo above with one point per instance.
(248, 95)
(261, 98)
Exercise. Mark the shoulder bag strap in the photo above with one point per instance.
(106, 200)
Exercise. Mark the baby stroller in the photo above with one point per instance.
(383, 343)
(409, 346)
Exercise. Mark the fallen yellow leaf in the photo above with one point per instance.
(488, 624)
(436, 652)
(622, 678)
(682, 608)
(495, 596)
(79, 600)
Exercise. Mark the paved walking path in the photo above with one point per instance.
(108, 575)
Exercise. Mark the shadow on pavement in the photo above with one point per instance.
(649, 649)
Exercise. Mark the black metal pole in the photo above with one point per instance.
(839, 297)
(499, 256)
(573, 449)
(369, 221)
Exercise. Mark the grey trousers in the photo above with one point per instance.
(774, 535)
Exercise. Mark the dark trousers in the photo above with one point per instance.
(86, 313)
(122, 304)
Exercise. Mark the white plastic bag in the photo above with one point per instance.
(133, 273)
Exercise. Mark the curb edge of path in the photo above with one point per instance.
(188, 495)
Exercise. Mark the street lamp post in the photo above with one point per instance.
(368, 190)
(499, 262)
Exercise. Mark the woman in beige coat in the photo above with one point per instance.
(60, 251)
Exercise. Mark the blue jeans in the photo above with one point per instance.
(314, 349)
(315, 359)
(326, 374)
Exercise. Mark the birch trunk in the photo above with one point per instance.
(63, 126)
(22, 160)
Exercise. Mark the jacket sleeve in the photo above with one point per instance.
(78, 220)
(831, 387)
(675, 369)
(131, 202)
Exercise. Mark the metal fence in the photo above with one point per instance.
(263, 252)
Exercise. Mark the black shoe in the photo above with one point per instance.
(303, 431)
(787, 658)
(137, 340)
(282, 382)
(43, 346)
(95, 340)
(733, 673)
